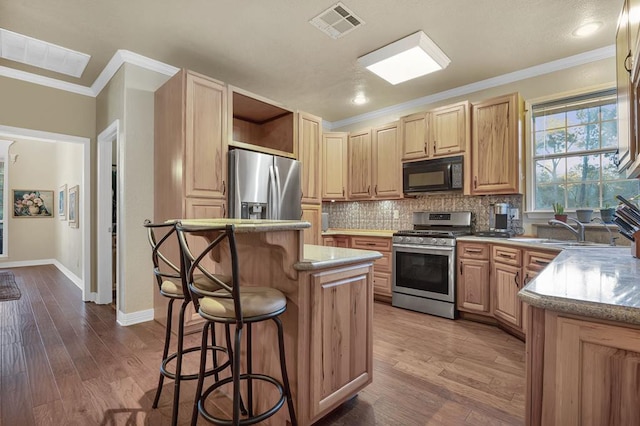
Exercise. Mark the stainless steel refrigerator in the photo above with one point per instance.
(263, 186)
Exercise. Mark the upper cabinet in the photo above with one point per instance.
(309, 154)
(387, 166)
(628, 88)
(439, 132)
(334, 166)
(359, 161)
(414, 132)
(450, 129)
(496, 145)
(261, 125)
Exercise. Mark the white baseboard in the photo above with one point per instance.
(73, 277)
(39, 262)
(134, 317)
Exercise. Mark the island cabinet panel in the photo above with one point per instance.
(591, 374)
(341, 360)
(387, 167)
(450, 129)
(414, 131)
(360, 173)
(309, 154)
(495, 146)
(334, 166)
(205, 135)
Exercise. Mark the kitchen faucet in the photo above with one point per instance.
(612, 239)
(579, 233)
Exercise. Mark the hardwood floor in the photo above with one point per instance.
(65, 362)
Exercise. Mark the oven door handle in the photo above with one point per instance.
(424, 248)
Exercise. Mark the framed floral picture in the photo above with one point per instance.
(73, 206)
(62, 202)
(32, 203)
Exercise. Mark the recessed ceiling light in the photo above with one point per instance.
(360, 99)
(587, 29)
(406, 59)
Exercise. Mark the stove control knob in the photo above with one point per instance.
(442, 242)
(399, 239)
(433, 241)
(420, 240)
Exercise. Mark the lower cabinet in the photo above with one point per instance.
(382, 267)
(506, 285)
(335, 241)
(473, 293)
(313, 214)
(341, 348)
(582, 371)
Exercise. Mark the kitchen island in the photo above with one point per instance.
(328, 321)
(583, 341)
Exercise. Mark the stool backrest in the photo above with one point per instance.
(160, 235)
(217, 237)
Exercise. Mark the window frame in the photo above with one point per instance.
(529, 142)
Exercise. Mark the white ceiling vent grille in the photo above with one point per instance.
(31, 51)
(337, 21)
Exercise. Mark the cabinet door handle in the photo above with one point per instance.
(526, 279)
(224, 187)
(541, 262)
(425, 147)
(369, 189)
(475, 182)
(224, 211)
(628, 68)
(470, 250)
(375, 189)
(343, 191)
(460, 268)
(515, 279)
(507, 255)
(434, 147)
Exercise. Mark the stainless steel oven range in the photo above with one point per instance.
(424, 277)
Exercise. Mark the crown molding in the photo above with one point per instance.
(122, 56)
(119, 58)
(45, 81)
(537, 70)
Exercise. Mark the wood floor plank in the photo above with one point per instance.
(71, 364)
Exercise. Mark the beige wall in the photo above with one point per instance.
(595, 73)
(44, 166)
(129, 97)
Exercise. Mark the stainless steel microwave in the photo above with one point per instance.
(441, 174)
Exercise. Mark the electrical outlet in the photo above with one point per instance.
(396, 214)
(515, 214)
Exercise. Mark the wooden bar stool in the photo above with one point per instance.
(172, 284)
(239, 306)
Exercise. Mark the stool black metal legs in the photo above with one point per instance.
(165, 352)
(285, 376)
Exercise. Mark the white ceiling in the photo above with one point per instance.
(269, 48)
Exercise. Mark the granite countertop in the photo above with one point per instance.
(359, 232)
(524, 243)
(321, 257)
(250, 225)
(600, 284)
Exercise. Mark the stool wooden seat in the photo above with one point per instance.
(241, 307)
(171, 280)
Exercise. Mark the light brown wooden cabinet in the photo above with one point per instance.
(626, 100)
(312, 213)
(506, 282)
(450, 129)
(473, 292)
(334, 166)
(382, 267)
(414, 136)
(496, 145)
(190, 157)
(336, 241)
(309, 154)
(341, 351)
(359, 160)
(386, 164)
(581, 371)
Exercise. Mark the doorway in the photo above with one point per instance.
(109, 284)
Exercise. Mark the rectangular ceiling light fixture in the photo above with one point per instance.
(406, 59)
(41, 54)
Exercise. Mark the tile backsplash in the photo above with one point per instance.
(379, 214)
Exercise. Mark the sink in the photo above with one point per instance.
(530, 240)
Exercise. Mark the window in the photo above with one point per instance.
(574, 143)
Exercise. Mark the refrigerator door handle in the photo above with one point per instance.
(273, 185)
(278, 194)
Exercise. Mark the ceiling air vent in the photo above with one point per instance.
(336, 21)
(31, 51)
